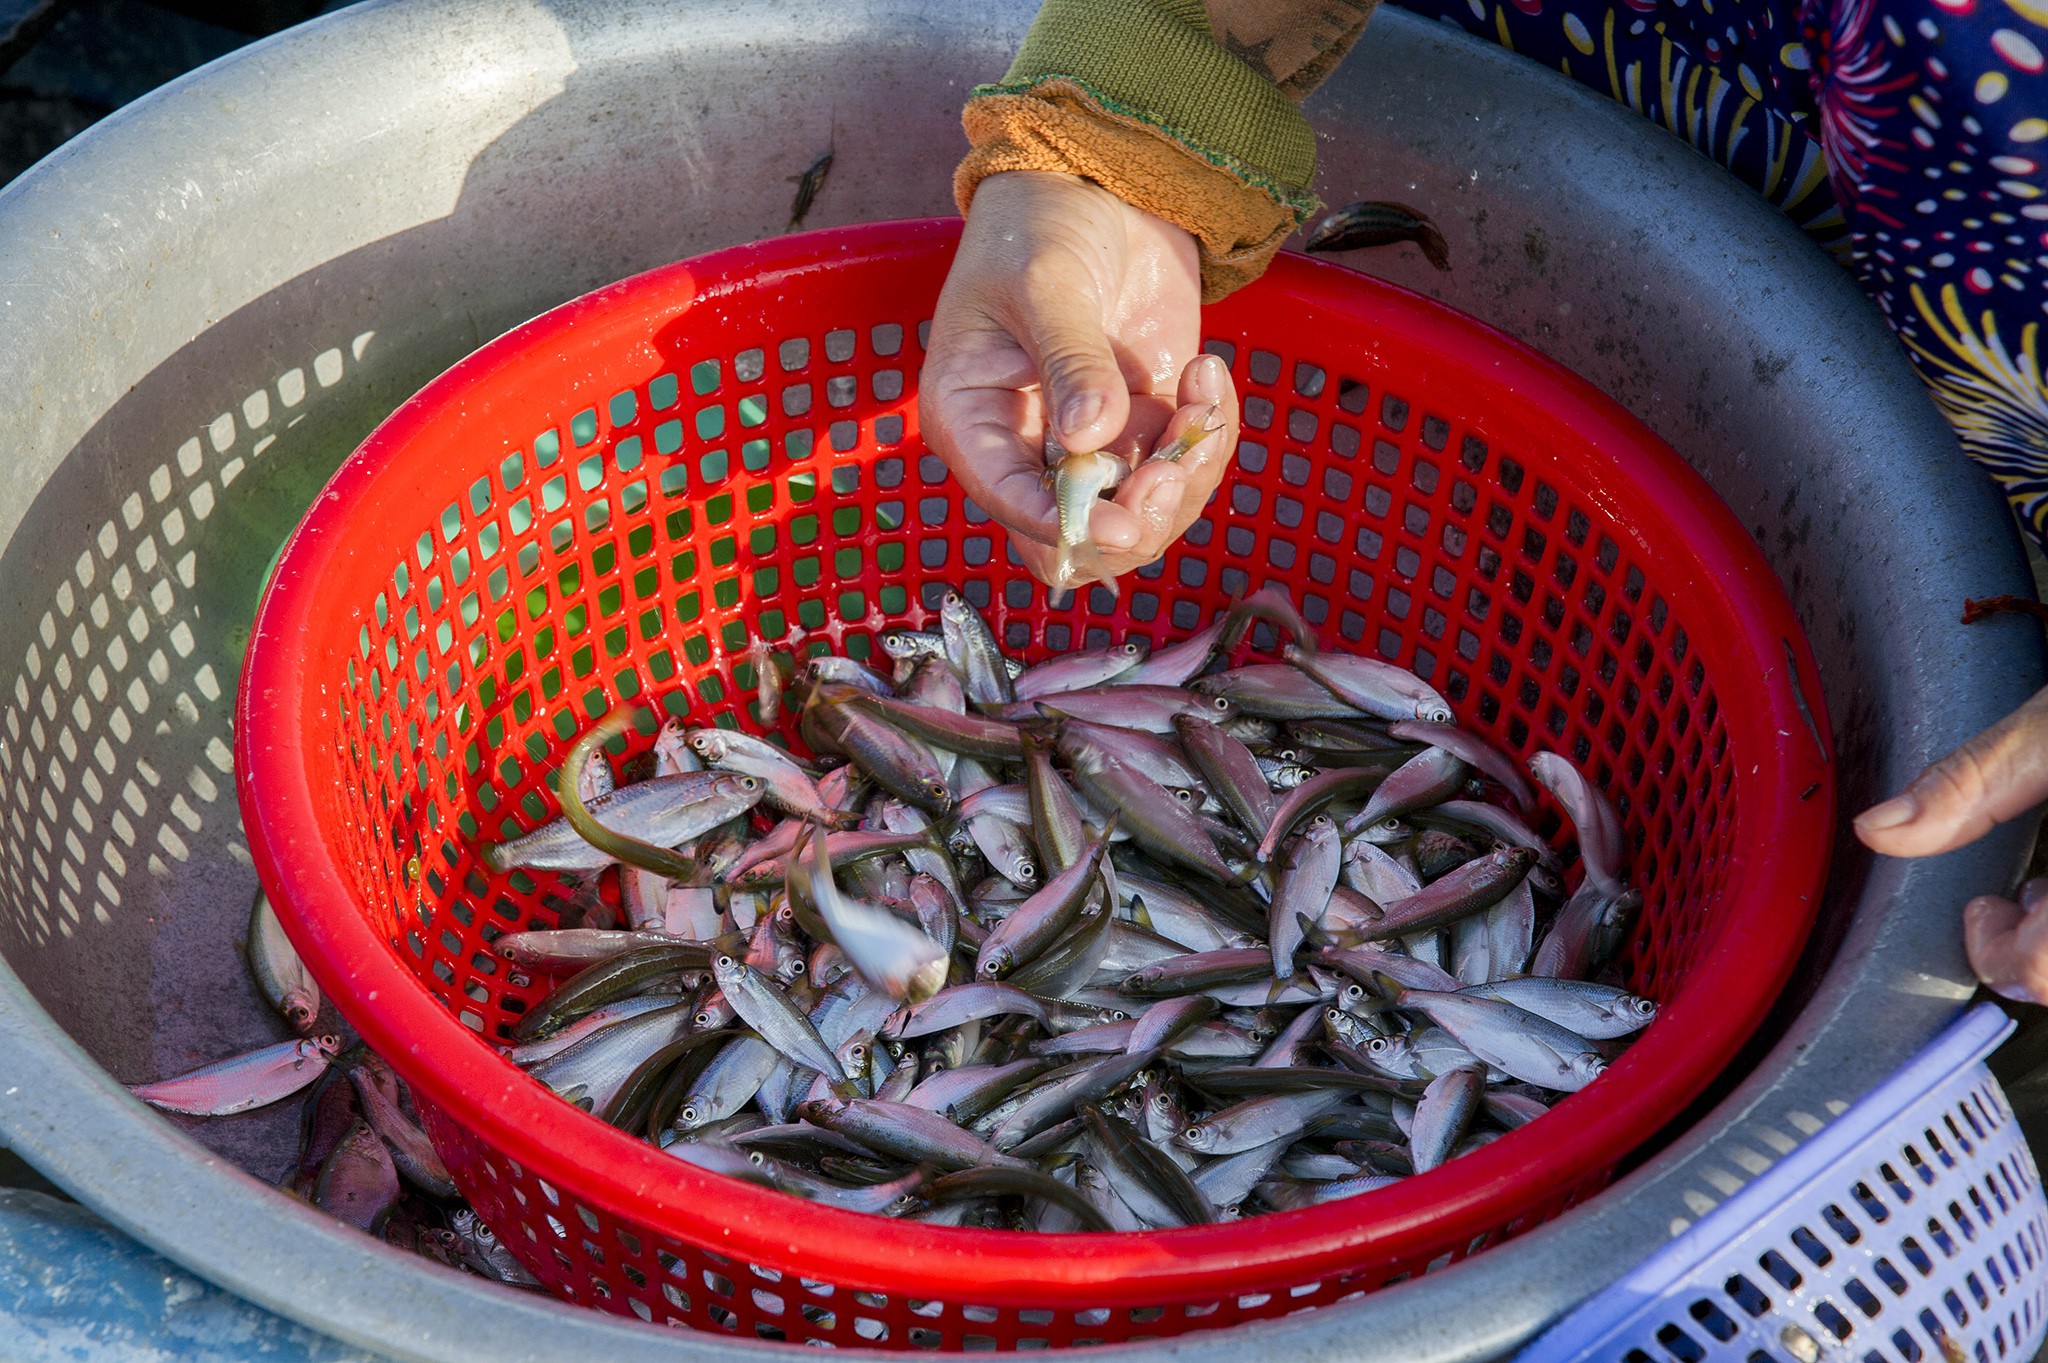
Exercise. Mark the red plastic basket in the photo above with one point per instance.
(608, 503)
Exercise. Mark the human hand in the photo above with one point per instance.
(1999, 774)
(1068, 312)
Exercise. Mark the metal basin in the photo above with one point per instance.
(213, 295)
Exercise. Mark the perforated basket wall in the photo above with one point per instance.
(608, 504)
(1913, 1228)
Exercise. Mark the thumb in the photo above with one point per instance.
(2000, 773)
(1087, 401)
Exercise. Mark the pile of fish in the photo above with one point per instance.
(1128, 939)
(363, 1156)
(1116, 941)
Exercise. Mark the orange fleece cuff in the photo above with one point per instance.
(1059, 125)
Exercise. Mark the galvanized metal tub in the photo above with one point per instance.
(211, 297)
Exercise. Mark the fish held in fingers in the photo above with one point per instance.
(1078, 480)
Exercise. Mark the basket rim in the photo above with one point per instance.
(619, 1174)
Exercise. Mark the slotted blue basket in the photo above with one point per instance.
(1911, 1228)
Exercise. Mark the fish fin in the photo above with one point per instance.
(1389, 988)
(846, 1089)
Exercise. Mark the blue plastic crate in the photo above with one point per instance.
(1912, 1228)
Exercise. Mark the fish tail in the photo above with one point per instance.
(1434, 248)
(1424, 233)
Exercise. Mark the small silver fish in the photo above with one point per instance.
(1598, 1012)
(244, 1083)
(972, 649)
(1193, 434)
(411, 1152)
(779, 1022)
(1078, 480)
(889, 953)
(1601, 844)
(359, 1183)
(279, 972)
(666, 811)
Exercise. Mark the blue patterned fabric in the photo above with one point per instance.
(1908, 137)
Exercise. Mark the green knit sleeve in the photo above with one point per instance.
(1156, 61)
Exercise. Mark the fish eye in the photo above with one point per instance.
(1354, 991)
(1027, 870)
(1220, 704)
(1119, 1015)
(1379, 1045)
(1390, 825)
(726, 963)
(756, 1158)
(1193, 1133)
(688, 1114)
(796, 967)
(702, 1019)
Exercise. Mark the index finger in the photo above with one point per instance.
(990, 431)
(2008, 947)
(1000, 469)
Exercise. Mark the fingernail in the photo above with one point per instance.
(1893, 812)
(1211, 377)
(1081, 409)
(2015, 991)
(2033, 893)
